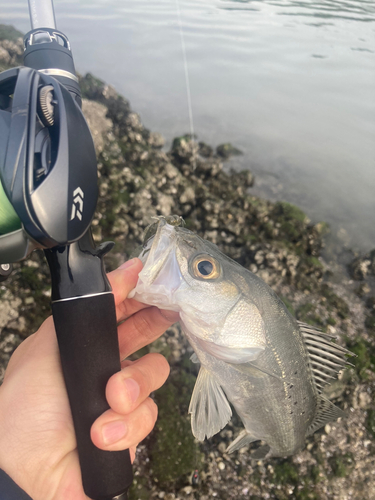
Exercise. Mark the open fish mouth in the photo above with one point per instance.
(161, 276)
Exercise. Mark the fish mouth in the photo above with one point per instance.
(160, 277)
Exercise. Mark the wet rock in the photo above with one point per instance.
(156, 140)
(362, 289)
(209, 168)
(205, 150)
(188, 196)
(11, 49)
(185, 149)
(5, 57)
(370, 303)
(227, 150)
(100, 125)
(363, 266)
(244, 178)
(9, 34)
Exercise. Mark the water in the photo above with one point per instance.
(290, 83)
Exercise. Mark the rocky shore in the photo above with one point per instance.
(138, 179)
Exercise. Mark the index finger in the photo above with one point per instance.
(122, 281)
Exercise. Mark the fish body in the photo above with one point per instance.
(253, 352)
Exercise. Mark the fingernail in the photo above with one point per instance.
(114, 431)
(127, 264)
(132, 389)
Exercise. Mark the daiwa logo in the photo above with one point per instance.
(77, 207)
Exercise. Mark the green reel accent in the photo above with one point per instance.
(9, 220)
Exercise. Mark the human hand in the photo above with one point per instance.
(37, 440)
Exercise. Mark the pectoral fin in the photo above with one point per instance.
(209, 407)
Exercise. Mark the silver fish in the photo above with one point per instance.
(253, 352)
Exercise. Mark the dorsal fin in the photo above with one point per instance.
(326, 412)
(327, 359)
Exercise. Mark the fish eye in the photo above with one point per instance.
(205, 267)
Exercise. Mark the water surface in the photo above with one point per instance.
(291, 83)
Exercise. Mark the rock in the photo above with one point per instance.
(364, 400)
(95, 114)
(11, 52)
(156, 140)
(205, 150)
(9, 33)
(359, 268)
(187, 490)
(363, 266)
(5, 57)
(208, 168)
(227, 150)
(244, 178)
(185, 149)
(188, 196)
(363, 289)
(222, 447)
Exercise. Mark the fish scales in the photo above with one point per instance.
(279, 408)
(253, 353)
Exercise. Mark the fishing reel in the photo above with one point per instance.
(48, 167)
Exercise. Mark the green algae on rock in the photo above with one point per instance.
(173, 450)
(9, 33)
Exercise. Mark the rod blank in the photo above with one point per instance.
(42, 14)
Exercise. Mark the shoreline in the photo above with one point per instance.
(138, 179)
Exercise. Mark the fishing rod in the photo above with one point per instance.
(48, 197)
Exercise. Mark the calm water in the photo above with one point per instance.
(291, 83)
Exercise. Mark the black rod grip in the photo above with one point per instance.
(87, 335)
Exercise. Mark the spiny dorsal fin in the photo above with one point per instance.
(326, 412)
(209, 407)
(327, 359)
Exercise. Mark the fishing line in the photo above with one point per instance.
(195, 477)
(187, 79)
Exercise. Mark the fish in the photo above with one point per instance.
(253, 353)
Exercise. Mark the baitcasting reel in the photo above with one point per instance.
(47, 164)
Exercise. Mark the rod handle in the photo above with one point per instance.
(87, 336)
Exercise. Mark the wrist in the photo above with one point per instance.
(9, 490)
